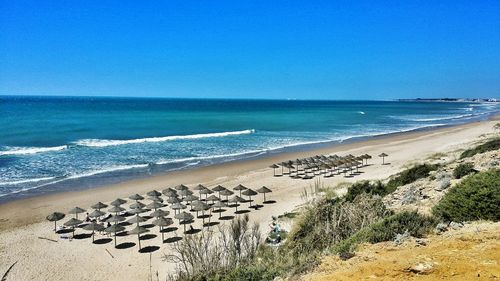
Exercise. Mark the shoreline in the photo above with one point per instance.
(210, 174)
(85, 183)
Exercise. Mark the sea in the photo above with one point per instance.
(52, 144)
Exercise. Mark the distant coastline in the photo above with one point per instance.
(477, 100)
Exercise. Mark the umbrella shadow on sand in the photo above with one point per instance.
(172, 239)
(269, 202)
(125, 245)
(149, 249)
(192, 231)
(121, 234)
(209, 224)
(150, 225)
(103, 241)
(239, 212)
(226, 218)
(148, 236)
(169, 229)
(82, 236)
(64, 231)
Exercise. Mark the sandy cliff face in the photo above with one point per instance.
(468, 253)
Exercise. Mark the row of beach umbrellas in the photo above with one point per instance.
(177, 198)
(323, 164)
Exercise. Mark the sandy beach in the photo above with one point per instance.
(22, 222)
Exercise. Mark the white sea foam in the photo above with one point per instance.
(26, 181)
(430, 119)
(104, 143)
(77, 176)
(30, 150)
(361, 112)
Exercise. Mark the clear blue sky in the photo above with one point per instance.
(257, 49)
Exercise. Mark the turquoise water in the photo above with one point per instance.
(51, 144)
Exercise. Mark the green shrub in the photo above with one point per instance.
(476, 197)
(487, 146)
(360, 187)
(385, 230)
(410, 175)
(463, 169)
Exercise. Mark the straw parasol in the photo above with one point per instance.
(199, 187)
(162, 222)
(138, 230)
(76, 211)
(159, 213)
(169, 192)
(154, 205)
(274, 167)
(240, 188)
(383, 155)
(114, 229)
(96, 214)
(137, 219)
(184, 218)
(220, 205)
(218, 189)
(136, 197)
(264, 190)
(118, 202)
(56, 216)
(201, 207)
(137, 211)
(181, 187)
(190, 198)
(115, 219)
(236, 199)
(185, 192)
(249, 192)
(73, 223)
(116, 209)
(178, 206)
(173, 200)
(206, 191)
(154, 193)
(137, 205)
(94, 227)
(98, 206)
(227, 193)
(156, 199)
(212, 198)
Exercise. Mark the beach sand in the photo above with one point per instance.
(23, 221)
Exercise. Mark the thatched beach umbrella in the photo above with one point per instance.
(249, 192)
(181, 187)
(240, 188)
(383, 155)
(154, 193)
(73, 223)
(76, 211)
(177, 207)
(156, 199)
(93, 227)
(154, 205)
(138, 230)
(96, 214)
(274, 167)
(160, 213)
(136, 197)
(236, 200)
(161, 222)
(184, 218)
(201, 207)
(169, 192)
(114, 229)
(137, 219)
(264, 190)
(56, 216)
(173, 200)
(137, 205)
(118, 202)
(98, 206)
(199, 187)
(116, 209)
(206, 191)
(137, 211)
(185, 192)
(115, 219)
(227, 193)
(218, 189)
(190, 198)
(220, 205)
(212, 198)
